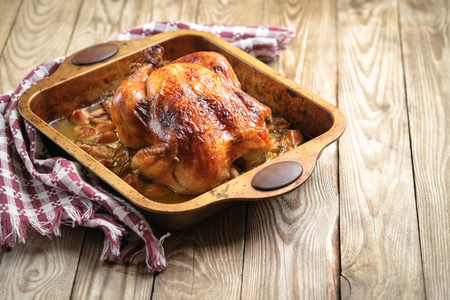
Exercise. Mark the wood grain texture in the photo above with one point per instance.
(30, 270)
(289, 252)
(175, 10)
(41, 32)
(426, 49)
(380, 250)
(8, 9)
(102, 19)
(206, 261)
(236, 12)
(218, 255)
(177, 281)
(103, 280)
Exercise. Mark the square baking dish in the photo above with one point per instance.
(73, 86)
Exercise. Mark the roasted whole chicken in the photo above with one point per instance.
(193, 126)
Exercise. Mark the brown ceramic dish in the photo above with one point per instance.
(75, 86)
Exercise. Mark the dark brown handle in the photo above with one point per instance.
(95, 54)
(277, 176)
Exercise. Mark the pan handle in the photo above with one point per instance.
(96, 56)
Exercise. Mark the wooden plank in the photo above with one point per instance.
(102, 280)
(380, 251)
(176, 10)
(102, 19)
(41, 32)
(177, 281)
(29, 270)
(426, 50)
(218, 255)
(249, 12)
(206, 261)
(9, 9)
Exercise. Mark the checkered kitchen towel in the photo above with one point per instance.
(39, 192)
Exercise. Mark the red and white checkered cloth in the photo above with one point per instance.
(39, 192)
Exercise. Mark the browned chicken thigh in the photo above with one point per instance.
(190, 120)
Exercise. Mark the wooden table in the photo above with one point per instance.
(373, 221)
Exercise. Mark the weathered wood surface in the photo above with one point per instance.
(426, 48)
(379, 232)
(9, 10)
(373, 220)
(41, 269)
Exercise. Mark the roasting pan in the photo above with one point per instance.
(73, 86)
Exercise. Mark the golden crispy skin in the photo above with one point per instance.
(191, 121)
